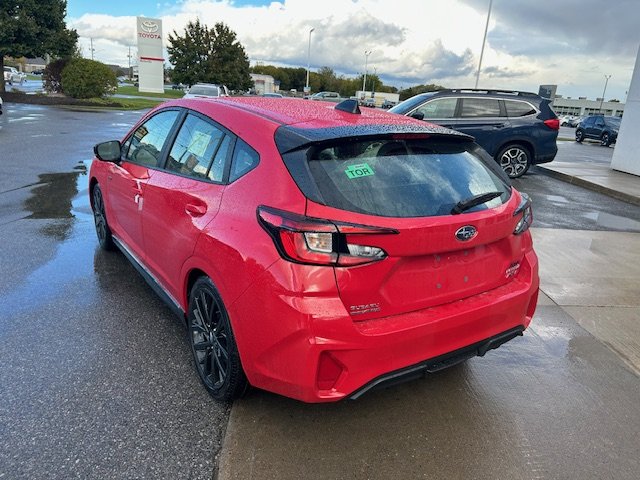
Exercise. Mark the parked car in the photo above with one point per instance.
(12, 75)
(317, 252)
(0, 105)
(599, 127)
(207, 90)
(518, 129)
(273, 95)
(327, 96)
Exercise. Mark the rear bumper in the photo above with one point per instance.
(306, 345)
(438, 363)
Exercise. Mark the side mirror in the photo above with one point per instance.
(108, 151)
(418, 116)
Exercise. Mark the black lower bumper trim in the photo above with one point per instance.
(438, 363)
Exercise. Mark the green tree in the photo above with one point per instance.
(209, 55)
(411, 91)
(32, 28)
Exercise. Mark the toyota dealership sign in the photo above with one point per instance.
(150, 59)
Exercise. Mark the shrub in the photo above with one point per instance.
(52, 76)
(83, 78)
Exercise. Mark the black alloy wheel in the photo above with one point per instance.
(515, 160)
(213, 345)
(579, 136)
(605, 140)
(100, 218)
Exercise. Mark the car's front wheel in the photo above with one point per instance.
(515, 160)
(579, 136)
(213, 344)
(605, 140)
(100, 218)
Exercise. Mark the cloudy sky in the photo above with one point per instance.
(571, 43)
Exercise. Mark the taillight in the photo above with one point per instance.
(524, 209)
(553, 123)
(316, 241)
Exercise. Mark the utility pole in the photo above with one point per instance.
(307, 91)
(364, 80)
(92, 49)
(606, 80)
(484, 40)
(129, 57)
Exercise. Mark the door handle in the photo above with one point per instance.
(195, 210)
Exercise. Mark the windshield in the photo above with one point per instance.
(205, 90)
(404, 178)
(410, 103)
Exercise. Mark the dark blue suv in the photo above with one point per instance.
(599, 127)
(518, 129)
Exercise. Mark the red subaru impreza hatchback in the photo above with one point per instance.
(314, 250)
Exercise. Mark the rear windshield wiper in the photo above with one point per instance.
(468, 203)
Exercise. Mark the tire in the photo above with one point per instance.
(605, 140)
(213, 344)
(100, 218)
(579, 136)
(514, 159)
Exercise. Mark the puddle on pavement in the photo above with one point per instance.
(53, 199)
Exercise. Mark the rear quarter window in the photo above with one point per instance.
(519, 109)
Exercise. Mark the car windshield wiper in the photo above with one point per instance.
(468, 203)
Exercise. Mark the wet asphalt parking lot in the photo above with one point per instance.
(97, 381)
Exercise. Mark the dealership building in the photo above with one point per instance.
(580, 106)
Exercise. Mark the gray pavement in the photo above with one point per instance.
(588, 165)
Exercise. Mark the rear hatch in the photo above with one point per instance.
(421, 220)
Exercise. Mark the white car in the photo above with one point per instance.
(12, 75)
(207, 90)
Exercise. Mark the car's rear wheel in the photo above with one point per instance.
(579, 136)
(515, 160)
(605, 140)
(100, 218)
(213, 344)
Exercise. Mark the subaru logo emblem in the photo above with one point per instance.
(466, 233)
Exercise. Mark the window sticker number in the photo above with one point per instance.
(360, 170)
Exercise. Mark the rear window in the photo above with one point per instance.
(205, 90)
(403, 178)
(519, 109)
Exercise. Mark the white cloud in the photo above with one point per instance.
(411, 42)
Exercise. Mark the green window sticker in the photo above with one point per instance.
(360, 170)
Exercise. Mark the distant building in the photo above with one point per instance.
(580, 106)
(34, 64)
(264, 84)
(583, 106)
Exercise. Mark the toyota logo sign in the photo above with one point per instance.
(466, 233)
(149, 26)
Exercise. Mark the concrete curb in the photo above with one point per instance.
(595, 187)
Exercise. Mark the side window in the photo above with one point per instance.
(588, 122)
(518, 109)
(439, 108)
(197, 145)
(145, 145)
(599, 122)
(480, 107)
(245, 158)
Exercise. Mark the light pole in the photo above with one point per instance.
(484, 40)
(364, 80)
(606, 80)
(308, 60)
